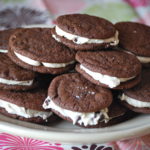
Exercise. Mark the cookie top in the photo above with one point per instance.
(134, 37)
(112, 63)
(29, 100)
(11, 71)
(73, 92)
(86, 26)
(142, 91)
(4, 38)
(38, 44)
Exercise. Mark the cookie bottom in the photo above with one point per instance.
(37, 120)
(136, 109)
(40, 69)
(121, 113)
(146, 65)
(19, 87)
(125, 85)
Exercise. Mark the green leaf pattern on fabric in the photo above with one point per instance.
(13, 1)
(112, 11)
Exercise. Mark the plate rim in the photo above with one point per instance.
(74, 137)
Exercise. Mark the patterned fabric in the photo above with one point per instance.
(44, 12)
(10, 142)
(133, 144)
(142, 8)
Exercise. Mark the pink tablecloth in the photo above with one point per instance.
(130, 10)
(10, 142)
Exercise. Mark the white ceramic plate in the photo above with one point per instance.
(65, 132)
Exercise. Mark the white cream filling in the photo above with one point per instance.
(91, 118)
(134, 102)
(23, 112)
(57, 65)
(37, 63)
(82, 40)
(3, 51)
(143, 60)
(13, 82)
(57, 39)
(105, 79)
(27, 60)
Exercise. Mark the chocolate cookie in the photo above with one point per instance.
(26, 106)
(74, 98)
(111, 69)
(13, 77)
(138, 98)
(85, 32)
(135, 38)
(35, 49)
(4, 38)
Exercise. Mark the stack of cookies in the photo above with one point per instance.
(85, 70)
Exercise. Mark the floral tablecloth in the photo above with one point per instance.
(114, 10)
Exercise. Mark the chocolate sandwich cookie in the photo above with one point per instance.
(26, 106)
(138, 98)
(117, 114)
(35, 49)
(135, 38)
(77, 100)
(85, 32)
(4, 38)
(13, 77)
(111, 69)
